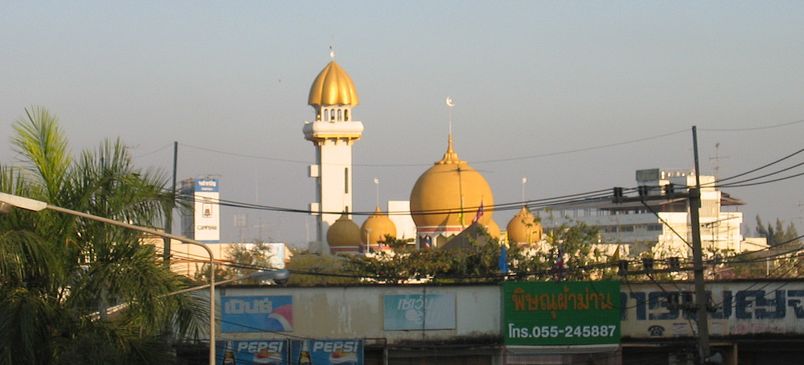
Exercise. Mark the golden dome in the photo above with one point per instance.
(344, 232)
(376, 227)
(449, 185)
(523, 228)
(493, 229)
(333, 86)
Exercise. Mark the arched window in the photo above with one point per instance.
(346, 115)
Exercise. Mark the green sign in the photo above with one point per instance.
(561, 313)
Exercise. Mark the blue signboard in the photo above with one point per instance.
(326, 352)
(206, 185)
(259, 313)
(274, 352)
(418, 312)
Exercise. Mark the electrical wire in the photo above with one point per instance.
(760, 167)
(749, 129)
(392, 165)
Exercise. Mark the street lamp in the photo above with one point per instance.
(9, 201)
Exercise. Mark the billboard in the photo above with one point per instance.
(259, 313)
(286, 352)
(419, 312)
(252, 352)
(326, 352)
(561, 313)
(206, 210)
(739, 309)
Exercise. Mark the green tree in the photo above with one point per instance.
(777, 233)
(60, 275)
(310, 269)
(247, 260)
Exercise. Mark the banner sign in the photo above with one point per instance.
(561, 313)
(206, 208)
(747, 308)
(253, 352)
(326, 352)
(419, 312)
(260, 313)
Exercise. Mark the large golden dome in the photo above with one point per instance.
(493, 229)
(523, 228)
(344, 232)
(376, 227)
(333, 86)
(446, 187)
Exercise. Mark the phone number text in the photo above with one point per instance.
(561, 331)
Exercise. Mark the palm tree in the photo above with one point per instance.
(60, 274)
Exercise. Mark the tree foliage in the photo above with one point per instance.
(60, 275)
(777, 233)
(477, 261)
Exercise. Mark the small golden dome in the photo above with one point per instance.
(344, 232)
(376, 227)
(333, 86)
(523, 228)
(449, 185)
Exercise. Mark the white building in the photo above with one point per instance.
(201, 221)
(656, 225)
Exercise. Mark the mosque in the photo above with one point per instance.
(446, 199)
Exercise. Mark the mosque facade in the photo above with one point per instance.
(446, 199)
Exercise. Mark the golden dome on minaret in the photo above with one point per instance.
(448, 187)
(524, 228)
(344, 232)
(333, 86)
(376, 227)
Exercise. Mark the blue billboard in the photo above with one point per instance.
(274, 352)
(326, 352)
(257, 313)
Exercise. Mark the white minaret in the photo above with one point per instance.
(333, 95)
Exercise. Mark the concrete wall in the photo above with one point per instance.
(648, 311)
(357, 312)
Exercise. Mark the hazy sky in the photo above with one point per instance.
(229, 82)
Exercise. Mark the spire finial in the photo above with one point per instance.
(524, 181)
(331, 52)
(377, 185)
(450, 105)
(450, 156)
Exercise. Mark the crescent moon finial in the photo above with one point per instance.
(450, 102)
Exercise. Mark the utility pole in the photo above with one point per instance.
(697, 254)
(169, 213)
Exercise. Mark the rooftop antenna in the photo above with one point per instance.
(716, 159)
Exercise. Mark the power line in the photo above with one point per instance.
(748, 129)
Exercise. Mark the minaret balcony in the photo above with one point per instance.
(320, 130)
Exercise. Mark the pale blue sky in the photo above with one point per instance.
(529, 79)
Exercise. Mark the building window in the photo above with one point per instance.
(346, 180)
